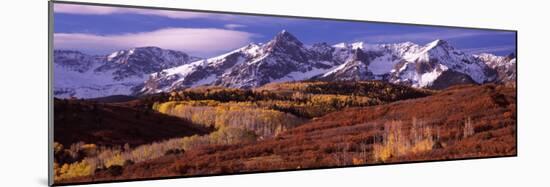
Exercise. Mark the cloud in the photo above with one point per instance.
(234, 26)
(202, 42)
(107, 10)
(491, 49)
(175, 14)
(426, 36)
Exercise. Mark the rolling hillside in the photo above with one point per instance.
(459, 122)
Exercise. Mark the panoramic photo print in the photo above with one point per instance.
(151, 93)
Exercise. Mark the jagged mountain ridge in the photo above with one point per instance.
(119, 73)
(505, 66)
(284, 58)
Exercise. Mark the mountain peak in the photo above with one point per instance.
(284, 35)
(144, 51)
(438, 43)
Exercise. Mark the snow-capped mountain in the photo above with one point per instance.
(284, 58)
(74, 60)
(119, 73)
(143, 60)
(505, 66)
(415, 65)
(355, 66)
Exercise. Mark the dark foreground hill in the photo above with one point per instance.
(460, 122)
(109, 125)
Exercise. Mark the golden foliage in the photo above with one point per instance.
(117, 156)
(116, 160)
(396, 143)
(57, 147)
(77, 169)
(194, 142)
(245, 115)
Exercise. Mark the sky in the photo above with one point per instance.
(102, 30)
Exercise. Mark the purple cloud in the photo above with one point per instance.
(234, 26)
(106, 10)
(425, 36)
(195, 41)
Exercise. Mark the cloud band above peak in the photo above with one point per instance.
(195, 41)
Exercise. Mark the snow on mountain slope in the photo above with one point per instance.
(284, 58)
(411, 64)
(74, 60)
(355, 67)
(120, 73)
(422, 67)
(383, 64)
(383, 57)
(90, 84)
(138, 62)
(200, 72)
(505, 66)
